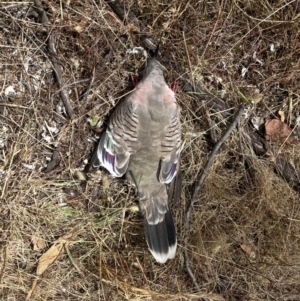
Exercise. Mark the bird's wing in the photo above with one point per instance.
(175, 187)
(120, 139)
(170, 148)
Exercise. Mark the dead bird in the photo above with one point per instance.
(142, 140)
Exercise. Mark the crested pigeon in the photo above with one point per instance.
(143, 141)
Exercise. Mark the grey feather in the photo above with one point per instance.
(143, 141)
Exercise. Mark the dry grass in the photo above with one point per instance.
(239, 205)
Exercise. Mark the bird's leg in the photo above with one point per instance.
(135, 78)
(174, 86)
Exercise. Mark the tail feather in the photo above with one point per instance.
(161, 238)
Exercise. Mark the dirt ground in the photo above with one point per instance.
(244, 237)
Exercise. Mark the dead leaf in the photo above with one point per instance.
(48, 258)
(38, 243)
(53, 253)
(80, 27)
(257, 98)
(276, 130)
(247, 249)
(69, 236)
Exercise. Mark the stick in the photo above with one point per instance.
(53, 57)
(198, 186)
(85, 95)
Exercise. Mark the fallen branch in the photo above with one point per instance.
(53, 57)
(198, 185)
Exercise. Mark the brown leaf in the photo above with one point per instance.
(276, 130)
(257, 98)
(69, 236)
(38, 243)
(248, 250)
(52, 254)
(48, 258)
(80, 27)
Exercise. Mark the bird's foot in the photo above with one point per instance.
(135, 78)
(174, 86)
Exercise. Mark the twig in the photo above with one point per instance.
(72, 259)
(12, 105)
(54, 59)
(8, 175)
(198, 186)
(3, 265)
(213, 135)
(85, 95)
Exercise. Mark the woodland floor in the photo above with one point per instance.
(244, 238)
